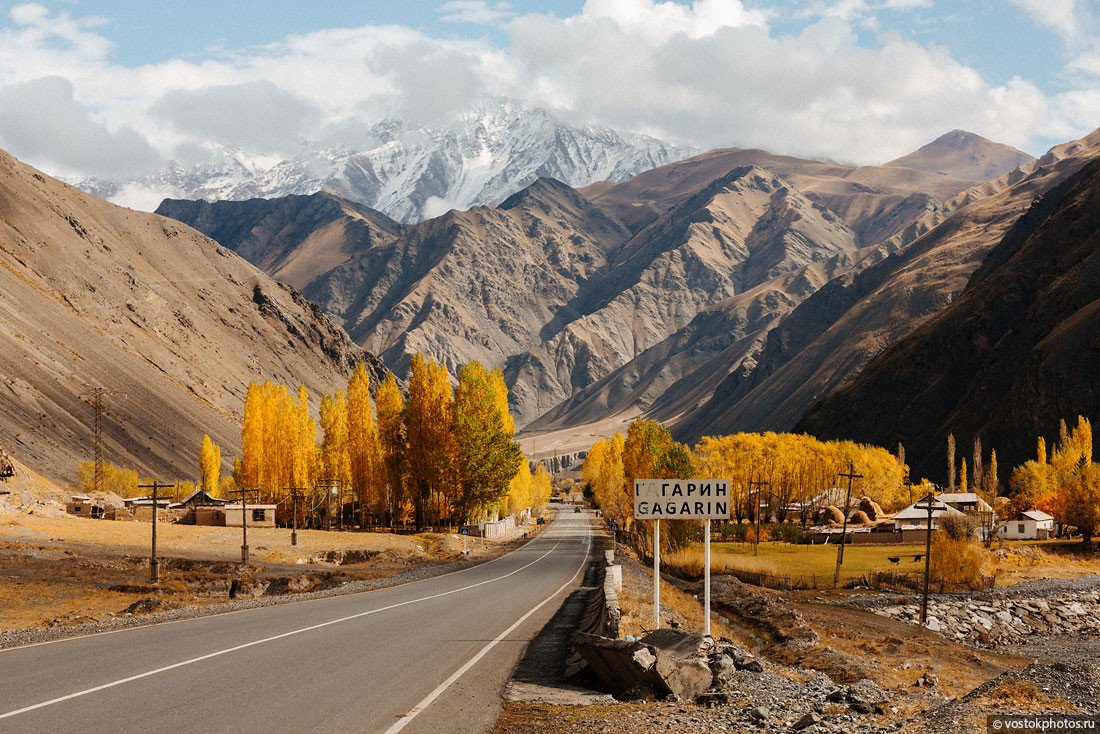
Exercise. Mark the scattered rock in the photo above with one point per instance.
(150, 604)
(810, 719)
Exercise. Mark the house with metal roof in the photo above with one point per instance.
(915, 516)
(1028, 525)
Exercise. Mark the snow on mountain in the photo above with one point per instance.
(414, 173)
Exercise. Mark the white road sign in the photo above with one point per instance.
(681, 499)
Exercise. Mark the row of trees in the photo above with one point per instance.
(444, 455)
(1064, 483)
(797, 469)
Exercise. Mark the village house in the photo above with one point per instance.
(1028, 525)
(915, 516)
(259, 516)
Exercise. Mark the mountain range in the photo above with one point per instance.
(414, 172)
(171, 325)
(1017, 351)
(611, 300)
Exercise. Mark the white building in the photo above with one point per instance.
(259, 516)
(915, 516)
(1029, 525)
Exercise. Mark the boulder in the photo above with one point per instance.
(666, 662)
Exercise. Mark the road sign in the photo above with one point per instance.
(464, 531)
(681, 499)
(614, 527)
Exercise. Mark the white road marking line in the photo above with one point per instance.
(442, 687)
(218, 653)
(279, 603)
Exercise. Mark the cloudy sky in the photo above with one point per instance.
(115, 89)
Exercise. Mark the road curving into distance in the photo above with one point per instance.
(429, 656)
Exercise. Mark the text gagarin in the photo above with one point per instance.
(681, 499)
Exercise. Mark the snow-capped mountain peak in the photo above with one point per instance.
(416, 172)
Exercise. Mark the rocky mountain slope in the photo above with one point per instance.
(1017, 351)
(616, 298)
(171, 324)
(965, 156)
(831, 337)
(414, 173)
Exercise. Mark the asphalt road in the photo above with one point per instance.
(430, 656)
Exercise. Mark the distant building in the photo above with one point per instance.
(967, 503)
(259, 516)
(915, 516)
(1029, 525)
(198, 498)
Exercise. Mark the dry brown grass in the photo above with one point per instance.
(687, 563)
(1024, 696)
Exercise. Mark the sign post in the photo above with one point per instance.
(681, 499)
(657, 574)
(706, 578)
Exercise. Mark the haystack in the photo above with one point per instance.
(860, 518)
(830, 515)
(871, 508)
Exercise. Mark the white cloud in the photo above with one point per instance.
(478, 12)
(1061, 16)
(707, 73)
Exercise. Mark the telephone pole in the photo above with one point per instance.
(759, 484)
(244, 519)
(294, 513)
(851, 474)
(928, 499)
(97, 406)
(154, 564)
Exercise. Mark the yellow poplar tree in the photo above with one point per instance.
(335, 464)
(430, 455)
(486, 457)
(210, 465)
(390, 405)
(364, 453)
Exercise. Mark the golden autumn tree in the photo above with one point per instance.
(335, 463)
(390, 407)
(486, 456)
(305, 462)
(269, 436)
(210, 466)
(430, 459)
(541, 486)
(364, 450)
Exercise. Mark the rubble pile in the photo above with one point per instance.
(1000, 621)
(726, 678)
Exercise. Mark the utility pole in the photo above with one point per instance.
(244, 519)
(927, 499)
(759, 484)
(154, 564)
(97, 405)
(294, 514)
(851, 474)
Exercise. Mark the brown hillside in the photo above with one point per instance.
(1016, 352)
(173, 325)
(829, 339)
